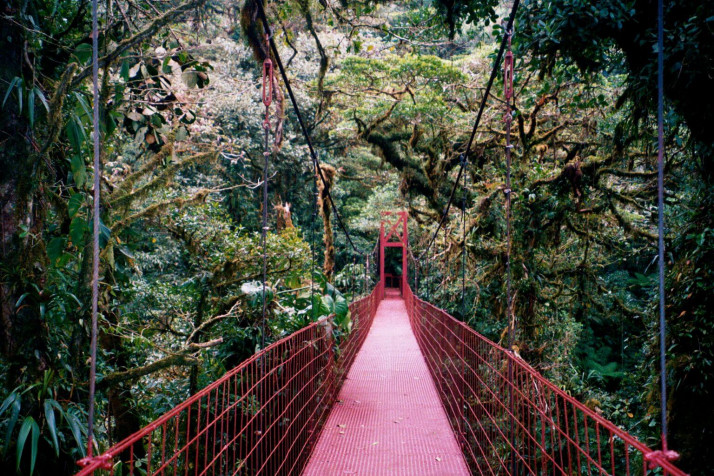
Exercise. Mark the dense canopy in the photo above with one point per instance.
(389, 92)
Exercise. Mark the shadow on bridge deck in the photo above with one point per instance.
(388, 419)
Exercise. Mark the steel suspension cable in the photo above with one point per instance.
(267, 101)
(312, 253)
(303, 127)
(660, 218)
(482, 106)
(510, 317)
(508, 94)
(463, 251)
(95, 229)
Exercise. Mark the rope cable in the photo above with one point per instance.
(660, 218)
(303, 127)
(510, 318)
(95, 229)
(463, 251)
(494, 72)
(267, 100)
(508, 87)
(312, 252)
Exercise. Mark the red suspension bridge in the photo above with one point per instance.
(410, 391)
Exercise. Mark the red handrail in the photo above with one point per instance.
(263, 417)
(509, 418)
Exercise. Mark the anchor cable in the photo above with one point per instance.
(303, 127)
(494, 72)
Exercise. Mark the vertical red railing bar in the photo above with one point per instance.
(578, 451)
(219, 443)
(225, 409)
(611, 440)
(491, 417)
(176, 440)
(568, 440)
(163, 448)
(131, 461)
(577, 405)
(587, 443)
(555, 428)
(172, 460)
(489, 440)
(442, 383)
(148, 452)
(251, 389)
(187, 447)
(599, 450)
(295, 441)
(207, 427)
(234, 447)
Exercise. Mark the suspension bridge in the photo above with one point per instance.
(410, 390)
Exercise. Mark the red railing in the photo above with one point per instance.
(510, 419)
(263, 417)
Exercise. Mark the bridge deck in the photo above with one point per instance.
(388, 419)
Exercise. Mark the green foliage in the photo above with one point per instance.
(182, 142)
(55, 427)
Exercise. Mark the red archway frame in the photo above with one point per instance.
(396, 237)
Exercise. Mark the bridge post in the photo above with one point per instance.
(381, 261)
(405, 243)
(394, 238)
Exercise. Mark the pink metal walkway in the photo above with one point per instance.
(389, 419)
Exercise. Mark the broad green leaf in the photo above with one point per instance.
(31, 106)
(83, 53)
(74, 204)
(124, 70)
(104, 232)
(43, 99)
(35, 441)
(75, 132)
(341, 306)
(28, 425)
(75, 428)
(9, 89)
(79, 171)
(329, 303)
(55, 248)
(7, 402)
(51, 423)
(82, 100)
(14, 415)
(77, 228)
(19, 88)
(166, 66)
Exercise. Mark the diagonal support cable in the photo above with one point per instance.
(303, 127)
(482, 107)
